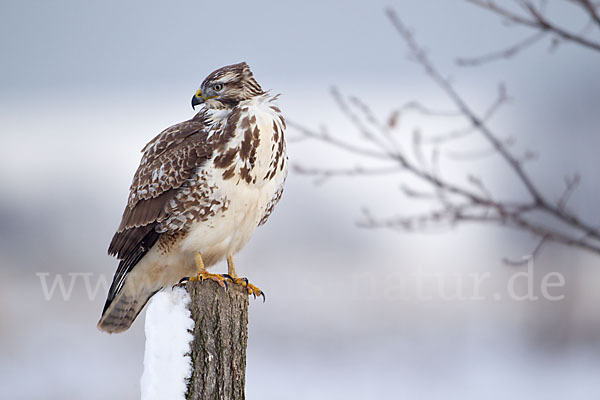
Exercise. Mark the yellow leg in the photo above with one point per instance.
(231, 267)
(203, 274)
(200, 268)
(253, 290)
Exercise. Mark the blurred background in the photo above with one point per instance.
(351, 313)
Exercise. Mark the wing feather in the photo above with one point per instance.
(168, 161)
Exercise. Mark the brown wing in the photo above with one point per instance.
(168, 161)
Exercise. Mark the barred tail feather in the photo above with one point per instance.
(123, 310)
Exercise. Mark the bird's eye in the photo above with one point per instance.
(218, 87)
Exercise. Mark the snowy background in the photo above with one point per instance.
(84, 85)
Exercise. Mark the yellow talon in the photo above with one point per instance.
(243, 282)
(203, 274)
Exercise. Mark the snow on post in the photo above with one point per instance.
(208, 363)
(167, 364)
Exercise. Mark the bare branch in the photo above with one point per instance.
(456, 203)
(536, 20)
(591, 8)
(421, 109)
(506, 53)
(416, 194)
(502, 98)
(321, 175)
(571, 184)
(478, 154)
(462, 105)
(325, 137)
(524, 260)
(478, 183)
(513, 162)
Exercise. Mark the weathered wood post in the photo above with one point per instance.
(218, 350)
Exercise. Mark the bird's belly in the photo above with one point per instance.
(228, 231)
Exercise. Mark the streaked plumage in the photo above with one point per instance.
(203, 185)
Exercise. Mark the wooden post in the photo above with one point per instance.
(218, 350)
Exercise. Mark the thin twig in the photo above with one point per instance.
(524, 260)
(502, 54)
(321, 175)
(536, 20)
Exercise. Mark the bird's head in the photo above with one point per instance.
(226, 87)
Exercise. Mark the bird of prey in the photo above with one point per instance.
(203, 186)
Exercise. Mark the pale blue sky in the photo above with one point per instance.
(66, 43)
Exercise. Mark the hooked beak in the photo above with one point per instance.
(197, 99)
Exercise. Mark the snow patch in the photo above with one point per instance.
(167, 364)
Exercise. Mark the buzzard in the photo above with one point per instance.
(203, 186)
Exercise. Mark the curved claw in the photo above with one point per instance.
(254, 290)
(182, 282)
(250, 288)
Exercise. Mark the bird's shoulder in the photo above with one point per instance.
(170, 158)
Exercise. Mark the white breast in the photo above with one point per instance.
(228, 231)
